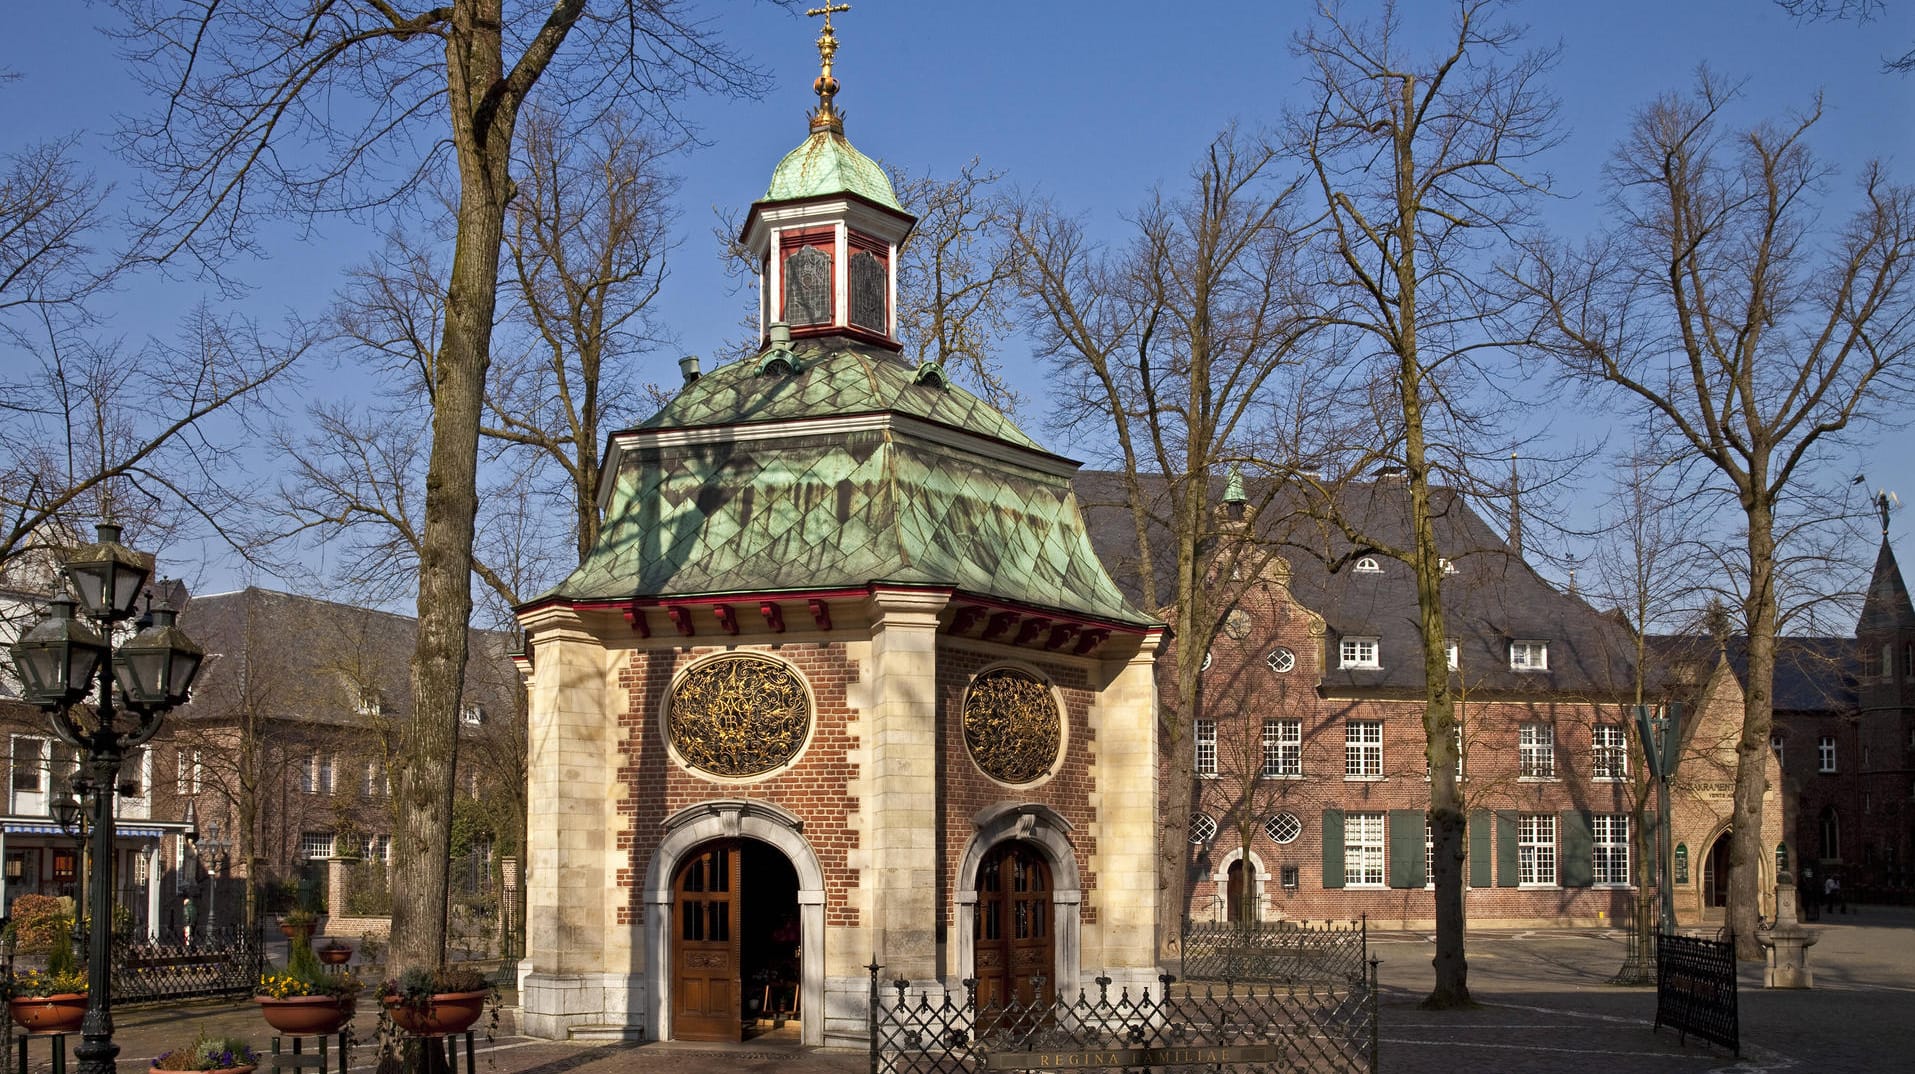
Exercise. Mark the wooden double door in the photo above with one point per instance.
(734, 920)
(1014, 938)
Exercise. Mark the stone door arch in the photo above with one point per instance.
(1049, 834)
(685, 832)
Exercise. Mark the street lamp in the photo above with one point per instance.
(214, 848)
(61, 661)
(1661, 735)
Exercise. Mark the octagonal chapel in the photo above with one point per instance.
(842, 681)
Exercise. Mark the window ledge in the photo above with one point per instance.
(1359, 667)
(1539, 887)
(1367, 887)
(1282, 775)
(1614, 887)
(1609, 779)
(1539, 779)
(1365, 779)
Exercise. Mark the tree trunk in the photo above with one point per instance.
(1747, 843)
(428, 742)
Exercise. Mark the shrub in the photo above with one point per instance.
(37, 919)
(208, 1053)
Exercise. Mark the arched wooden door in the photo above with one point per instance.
(705, 985)
(1015, 934)
(1715, 873)
(1237, 893)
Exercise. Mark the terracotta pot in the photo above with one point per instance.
(445, 1013)
(219, 1070)
(291, 931)
(307, 1016)
(49, 1014)
(335, 954)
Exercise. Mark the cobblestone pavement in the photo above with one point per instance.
(1546, 1008)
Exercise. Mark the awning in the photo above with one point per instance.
(124, 831)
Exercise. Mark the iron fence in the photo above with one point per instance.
(1320, 1028)
(1696, 989)
(1275, 952)
(225, 962)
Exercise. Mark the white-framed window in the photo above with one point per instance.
(1609, 840)
(1450, 653)
(1282, 748)
(1283, 827)
(471, 715)
(1358, 653)
(1205, 733)
(29, 764)
(1536, 743)
(1825, 753)
(1536, 850)
(1202, 828)
(1363, 850)
(1610, 758)
(379, 848)
(1281, 660)
(190, 774)
(368, 704)
(1429, 855)
(1368, 565)
(315, 774)
(1529, 656)
(1363, 749)
(315, 845)
(375, 781)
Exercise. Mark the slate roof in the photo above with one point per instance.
(734, 488)
(1494, 597)
(1812, 674)
(305, 658)
(1886, 607)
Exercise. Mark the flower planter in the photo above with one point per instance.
(295, 931)
(335, 954)
(306, 1016)
(215, 1070)
(444, 1013)
(49, 1014)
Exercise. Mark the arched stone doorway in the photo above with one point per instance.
(1014, 932)
(757, 846)
(1237, 888)
(1715, 874)
(1045, 835)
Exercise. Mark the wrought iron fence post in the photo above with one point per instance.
(871, 1016)
(1374, 1006)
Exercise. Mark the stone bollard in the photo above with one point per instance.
(1788, 942)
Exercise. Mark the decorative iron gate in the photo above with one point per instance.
(1275, 952)
(1696, 989)
(1326, 1028)
(224, 963)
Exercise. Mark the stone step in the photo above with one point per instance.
(605, 1034)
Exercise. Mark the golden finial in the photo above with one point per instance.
(826, 87)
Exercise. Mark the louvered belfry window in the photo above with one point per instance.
(868, 288)
(808, 286)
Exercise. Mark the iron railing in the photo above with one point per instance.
(1696, 989)
(224, 962)
(1275, 952)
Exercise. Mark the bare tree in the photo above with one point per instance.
(1717, 307)
(275, 106)
(1420, 162)
(1861, 11)
(957, 276)
(1175, 342)
(51, 211)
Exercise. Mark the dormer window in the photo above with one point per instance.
(1529, 656)
(1358, 653)
(471, 715)
(1448, 565)
(1368, 565)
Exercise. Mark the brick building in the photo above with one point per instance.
(841, 680)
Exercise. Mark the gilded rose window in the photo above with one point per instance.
(1011, 726)
(739, 716)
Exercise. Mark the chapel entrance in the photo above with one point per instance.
(1715, 874)
(1238, 898)
(1014, 938)
(735, 954)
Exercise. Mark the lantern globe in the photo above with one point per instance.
(108, 576)
(66, 812)
(57, 659)
(156, 668)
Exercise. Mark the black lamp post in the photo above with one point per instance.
(1661, 735)
(61, 661)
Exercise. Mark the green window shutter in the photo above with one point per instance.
(1333, 848)
(1479, 860)
(1575, 850)
(1506, 859)
(1406, 848)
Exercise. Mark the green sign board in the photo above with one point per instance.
(1682, 863)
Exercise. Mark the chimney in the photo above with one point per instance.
(688, 365)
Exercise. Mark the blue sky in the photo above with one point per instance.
(1092, 103)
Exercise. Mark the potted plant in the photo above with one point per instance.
(436, 1003)
(305, 998)
(298, 924)
(52, 1000)
(210, 1053)
(335, 953)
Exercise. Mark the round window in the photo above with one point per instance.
(1202, 828)
(1283, 828)
(1011, 725)
(738, 715)
(1281, 660)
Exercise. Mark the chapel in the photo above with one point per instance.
(843, 682)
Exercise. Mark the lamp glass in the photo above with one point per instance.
(156, 667)
(107, 575)
(57, 658)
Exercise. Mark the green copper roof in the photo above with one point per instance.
(807, 509)
(826, 164)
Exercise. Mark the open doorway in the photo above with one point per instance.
(736, 955)
(1715, 874)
